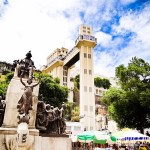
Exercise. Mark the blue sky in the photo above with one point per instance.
(122, 29)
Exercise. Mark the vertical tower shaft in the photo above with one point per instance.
(85, 44)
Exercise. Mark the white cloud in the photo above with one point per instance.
(44, 25)
(136, 23)
(102, 64)
(103, 38)
(37, 26)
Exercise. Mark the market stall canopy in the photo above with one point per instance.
(130, 135)
(100, 137)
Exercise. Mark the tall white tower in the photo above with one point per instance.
(85, 43)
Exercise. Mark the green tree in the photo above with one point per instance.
(9, 76)
(77, 81)
(3, 88)
(75, 114)
(129, 106)
(72, 111)
(99, 82)
(5, 82)
(52, 92)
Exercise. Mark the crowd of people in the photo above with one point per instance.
(138, 145)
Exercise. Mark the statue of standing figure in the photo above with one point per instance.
(41, 116)
(25, 102)
(62, 119)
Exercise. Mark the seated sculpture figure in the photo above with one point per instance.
(25, 67)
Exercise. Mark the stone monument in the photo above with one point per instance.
(26, 123)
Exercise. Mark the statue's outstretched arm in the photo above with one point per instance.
(38, 82)
(22, 81)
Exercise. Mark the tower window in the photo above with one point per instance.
(85, 88)
(85, 108)
(89, 55)
(85, 55)
(90, 89)
(91, 128)
(90, 72)
(91, 108)
(85, 71)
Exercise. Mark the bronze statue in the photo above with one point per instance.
(57, 120)
(25, 67)
(25, 102)
(50, 120)
(62, 119)
(41, 116)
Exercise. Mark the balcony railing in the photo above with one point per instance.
(86, 37)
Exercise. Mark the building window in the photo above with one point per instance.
(90, 72)
(90, 89)
(85, 71)
(85, 108)
(96, 91)
(85, 55)
(89, 55)
(65, 79)
(91, 128)
(85, 88)
(65, 84)
(91, 108)
(100, 91)
(65, 73)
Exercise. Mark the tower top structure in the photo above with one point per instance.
(85, 30)
(85, 37)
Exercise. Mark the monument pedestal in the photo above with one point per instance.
(9, 140)
(14, 93)
(52, 143)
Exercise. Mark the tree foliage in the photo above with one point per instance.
(99, 82)
(130, 105)
(77, 81)
(4, 83)
(51, 91)
(72, 111)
